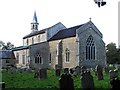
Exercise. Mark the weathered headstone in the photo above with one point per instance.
(66, 70)
(87, 81)
(58, 72)
(77, 71)
(42, 73)
(99, 72)
(113, 74)
(115, 83)
(66, 82)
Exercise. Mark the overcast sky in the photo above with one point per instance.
(16, 16)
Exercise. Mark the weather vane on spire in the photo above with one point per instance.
(100, 2)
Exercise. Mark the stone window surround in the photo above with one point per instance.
(90, 48)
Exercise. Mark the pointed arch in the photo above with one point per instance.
(90, 48)
(38, 58)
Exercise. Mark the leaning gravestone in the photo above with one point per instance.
(99, 72)
(66, 82)
(66, 70)
(113, 74)
(42, 73)
(87, 81)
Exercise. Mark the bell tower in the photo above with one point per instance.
(34, 23)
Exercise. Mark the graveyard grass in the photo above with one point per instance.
(27, 80)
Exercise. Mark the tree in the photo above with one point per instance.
(8, 45)
(112, 53)
(2, 44)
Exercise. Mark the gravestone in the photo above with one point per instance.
(66, 70)
(87, 81)
(83, 69)
(42, 73)
(2, 85)
(113, 74)
(58, 72)
(115, 83)
(66, 82)
(36, 73)
(99, 72)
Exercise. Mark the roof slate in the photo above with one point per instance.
(65, 33)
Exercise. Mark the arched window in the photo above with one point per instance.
(38, 59)
(90, 49)
(67, 55)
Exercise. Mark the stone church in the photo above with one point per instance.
(58, 46)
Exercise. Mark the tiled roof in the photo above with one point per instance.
(6, 54)
(65, 33)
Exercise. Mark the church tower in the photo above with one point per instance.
(34, 24)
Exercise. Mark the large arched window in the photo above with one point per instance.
(90, 48)
(38, 59)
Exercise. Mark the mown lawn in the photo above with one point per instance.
(27, 80)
